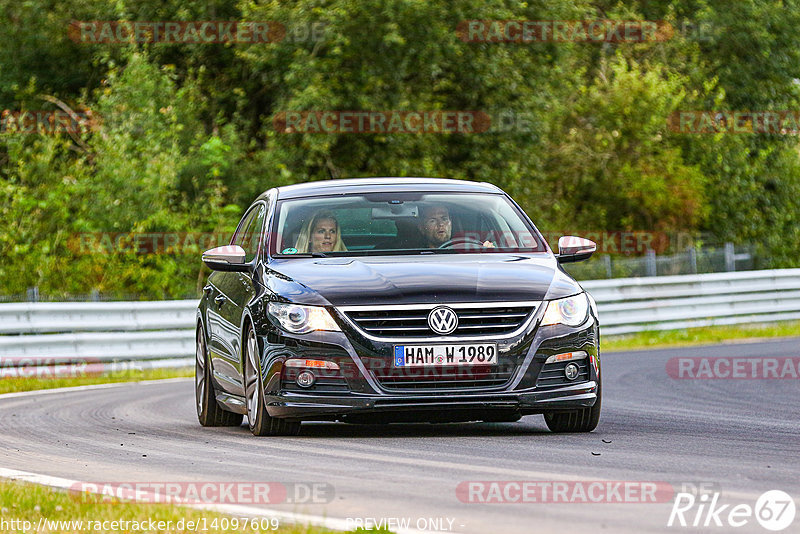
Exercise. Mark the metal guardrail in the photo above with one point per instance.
(161, 333)
(50, 317)
(628, 305)
(101, 334)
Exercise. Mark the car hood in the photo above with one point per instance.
(382, 280)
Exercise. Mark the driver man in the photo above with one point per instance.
(437, 228)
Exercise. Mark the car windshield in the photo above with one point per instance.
(401, 223)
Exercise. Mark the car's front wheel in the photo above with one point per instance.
(583, 420)
(261, 424)
(209, 412)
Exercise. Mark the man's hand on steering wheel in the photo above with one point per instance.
(466, 240)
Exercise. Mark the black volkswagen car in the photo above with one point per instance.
(394, 300)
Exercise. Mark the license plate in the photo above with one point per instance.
(433, 355)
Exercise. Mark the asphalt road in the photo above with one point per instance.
(738, 437)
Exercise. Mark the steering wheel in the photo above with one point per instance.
(464, 240)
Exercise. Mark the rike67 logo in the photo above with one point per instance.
(774, 510)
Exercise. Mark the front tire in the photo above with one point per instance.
(261, 423)
(209, 412)
(583, 420)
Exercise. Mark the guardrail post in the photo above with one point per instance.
(607, 264)
(730, 258)
(692, 259)
(650, 263)
(33, 294)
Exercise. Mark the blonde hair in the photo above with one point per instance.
(304, 239)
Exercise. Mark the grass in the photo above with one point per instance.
(699, 336)
(10, 383)
(20, 501)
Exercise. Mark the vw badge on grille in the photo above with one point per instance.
(443, 320)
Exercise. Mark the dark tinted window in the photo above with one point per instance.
(399, 223)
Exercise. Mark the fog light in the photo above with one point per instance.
(306, 379)
(570, 371)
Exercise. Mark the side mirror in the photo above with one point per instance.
(571, 249)
(226, 258)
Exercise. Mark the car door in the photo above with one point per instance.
(232, 293)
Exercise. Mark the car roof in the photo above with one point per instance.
(369, 185)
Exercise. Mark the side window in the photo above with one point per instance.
(238, 237)
(252, 234)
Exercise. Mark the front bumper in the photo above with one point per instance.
(474, 406)
(364, 398)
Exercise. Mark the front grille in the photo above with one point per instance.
(444, 377)
(552, 374)
(412, 322)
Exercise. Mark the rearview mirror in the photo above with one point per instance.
(571, 249)
(395, 211)
(226, 258)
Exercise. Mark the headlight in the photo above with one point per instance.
(302, 319)
(570, 311)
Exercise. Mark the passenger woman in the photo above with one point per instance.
(321, 234)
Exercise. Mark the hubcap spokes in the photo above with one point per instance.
(200, 373)
(251, 384)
